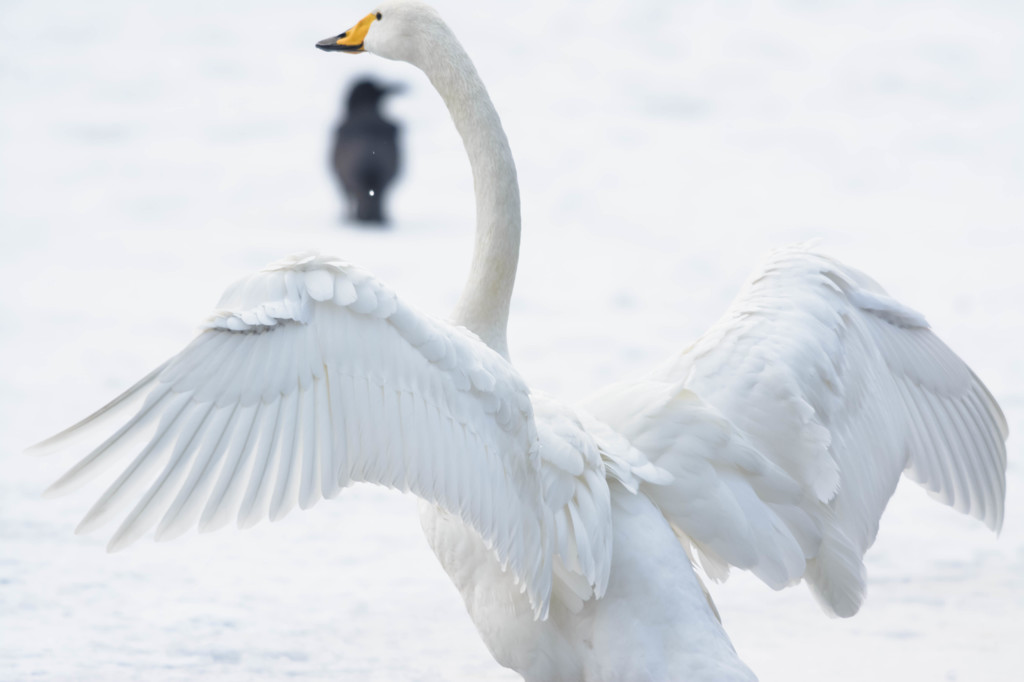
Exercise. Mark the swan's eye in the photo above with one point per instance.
(378, 16)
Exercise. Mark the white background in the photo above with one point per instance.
(152, 153)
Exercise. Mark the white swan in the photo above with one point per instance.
(772, 444)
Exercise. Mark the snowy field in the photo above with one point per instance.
(151, 153)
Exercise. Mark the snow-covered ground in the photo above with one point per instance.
(150, 153)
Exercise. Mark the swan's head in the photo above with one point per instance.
(403, 30)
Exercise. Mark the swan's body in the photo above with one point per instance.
(772, 444)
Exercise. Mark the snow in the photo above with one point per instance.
(152, 153)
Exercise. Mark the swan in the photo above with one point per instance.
(771, 444)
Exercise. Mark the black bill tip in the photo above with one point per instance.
(331, 45)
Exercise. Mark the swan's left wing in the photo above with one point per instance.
(312, 375)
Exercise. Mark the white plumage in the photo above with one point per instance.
(799, 409)
(772, 444)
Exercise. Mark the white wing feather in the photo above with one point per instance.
(816, 390)
(312, 375)
(578, 455)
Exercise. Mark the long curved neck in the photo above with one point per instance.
(484, 304)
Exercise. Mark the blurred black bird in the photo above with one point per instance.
(365, 156)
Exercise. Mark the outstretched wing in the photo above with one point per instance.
(312, 375)
(841, 388)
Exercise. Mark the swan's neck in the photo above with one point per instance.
(484, 304)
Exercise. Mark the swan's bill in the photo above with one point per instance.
(352, 39)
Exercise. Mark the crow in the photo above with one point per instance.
(365, 157)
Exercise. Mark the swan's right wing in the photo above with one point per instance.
(723, 497)
(816, 390)
(310, 376)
